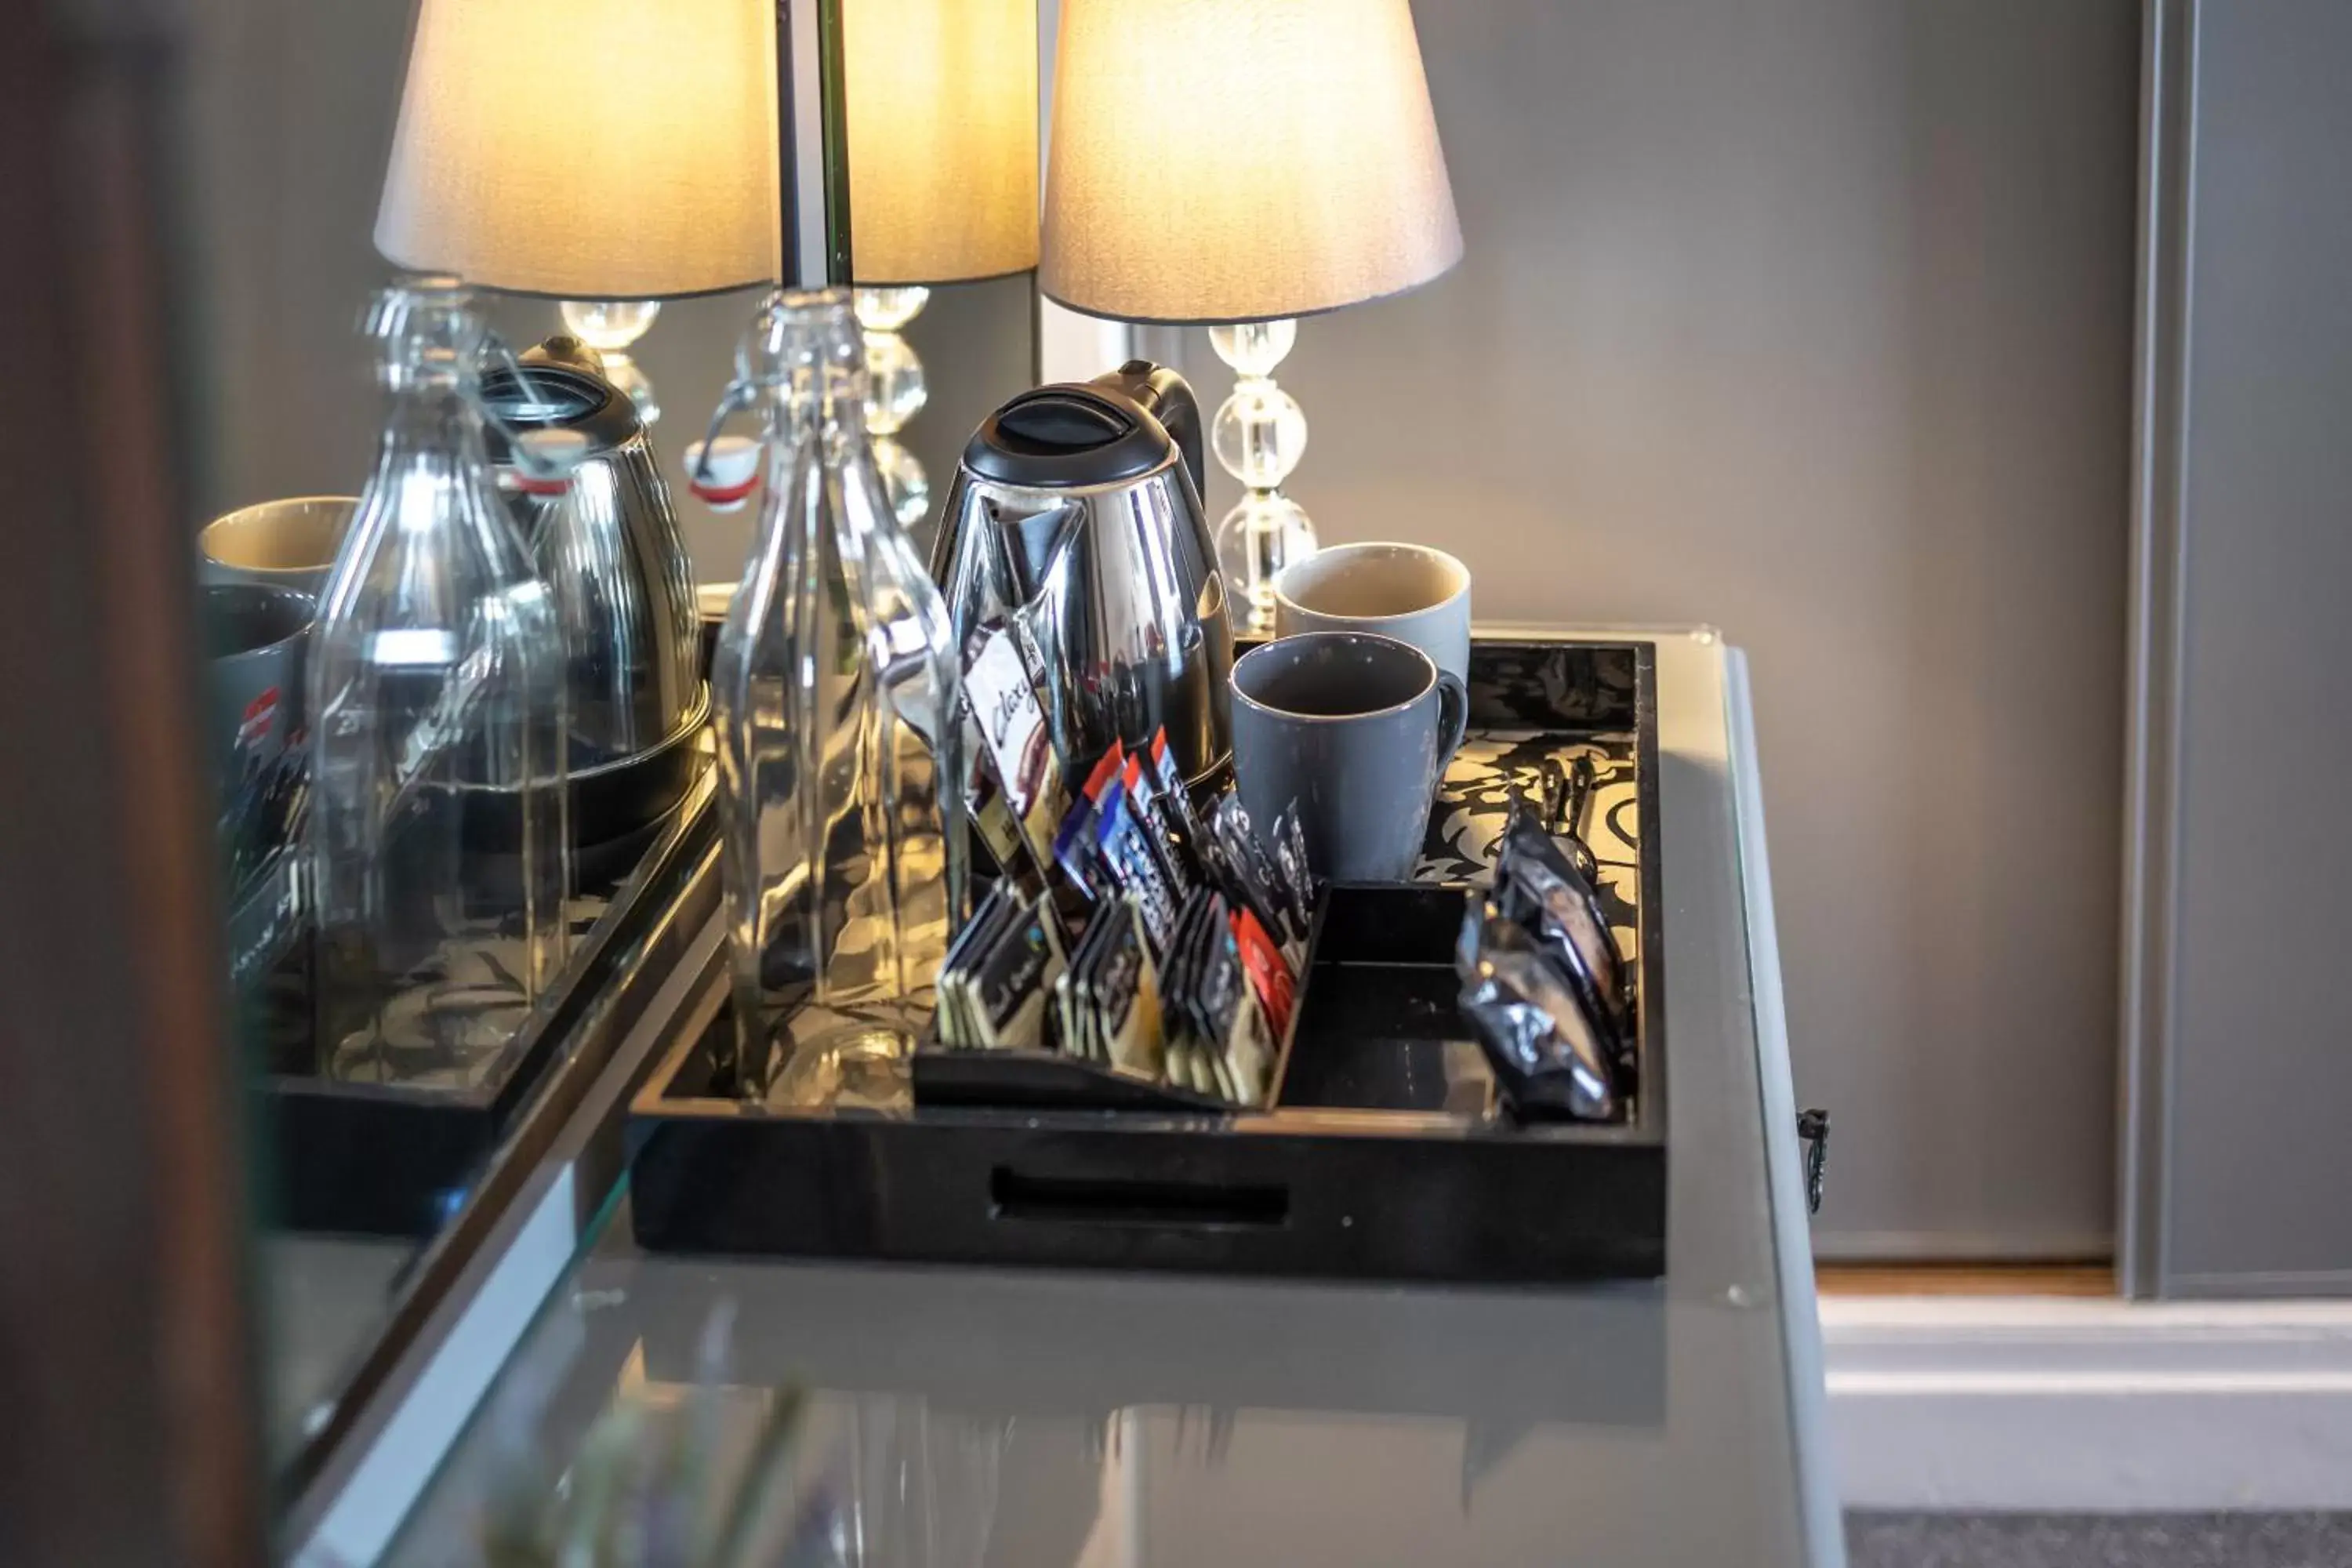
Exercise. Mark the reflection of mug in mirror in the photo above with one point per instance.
(289, 543)
(254, 637)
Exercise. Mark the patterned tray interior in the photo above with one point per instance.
(1496, 765)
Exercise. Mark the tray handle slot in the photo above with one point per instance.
(1115, 1200)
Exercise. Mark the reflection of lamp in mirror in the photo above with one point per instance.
(611, 327)
(940, 111)
(1243, 162)
(662, 183)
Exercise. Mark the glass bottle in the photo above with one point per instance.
(835, 685)
(437, 843)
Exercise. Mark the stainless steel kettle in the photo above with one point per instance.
(608, 545)
(1075, 514)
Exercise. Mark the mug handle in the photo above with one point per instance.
(1452, 715)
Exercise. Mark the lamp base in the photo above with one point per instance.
(610, 327)
(1259, 434)
(1264, 533)
(896, 393)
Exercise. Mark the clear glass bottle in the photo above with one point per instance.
(834, 686)
(437, 844)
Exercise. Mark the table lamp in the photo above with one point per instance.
(940, 116)
(610, 153)
(1243, 162)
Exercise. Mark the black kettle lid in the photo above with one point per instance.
(1067, 437)
(544, 393)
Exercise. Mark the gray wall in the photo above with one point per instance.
(1812, 319)
(2261, 1085)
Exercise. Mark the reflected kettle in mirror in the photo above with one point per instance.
(1075, 514)
(607, 541)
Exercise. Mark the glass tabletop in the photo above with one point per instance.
(894, 1415)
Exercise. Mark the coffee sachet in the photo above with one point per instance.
(1178, 794)
(1160, 827)
(1238, 1032)
(1211, 1009)
(1536, 883)
(1288, 840)
(1012, 978)
(1246, 876)
(1124, 987)
(955, 1015)
(1547, 1055)
(1072, 1004)
(1076, 855)
(1269, 972)
(1127, 857)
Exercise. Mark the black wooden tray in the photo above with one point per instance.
(397, 1158)
(1384, 1153)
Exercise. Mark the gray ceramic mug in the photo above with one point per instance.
(1409, 592)
(1355, 728)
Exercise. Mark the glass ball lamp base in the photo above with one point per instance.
(1259, 434)
(611, 327)
(897, 393)
(1261, 535)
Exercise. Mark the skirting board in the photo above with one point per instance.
(2274, 1286)
(1833, 1246)
(2044, 1404)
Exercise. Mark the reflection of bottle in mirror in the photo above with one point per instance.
(899, 1484)
(436, 838)
(835, 685)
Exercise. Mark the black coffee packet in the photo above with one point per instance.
(956, 1018)
(1123, 844)
(1288, 840)
(1184, 821)
(1013, 979)
(1161, 833)
(1536, 885)
(1074, 1034)
(997, 984)
(1123, 992)
(1218, 1040)
(1248, 876)
(1547, 1053)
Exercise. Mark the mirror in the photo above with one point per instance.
(509, 145)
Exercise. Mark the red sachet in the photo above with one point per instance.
(1269, 975)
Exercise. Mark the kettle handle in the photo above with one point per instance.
(1167, 396)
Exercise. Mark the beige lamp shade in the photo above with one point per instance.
(1240, 160)
(939, 111)
(588, 149)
